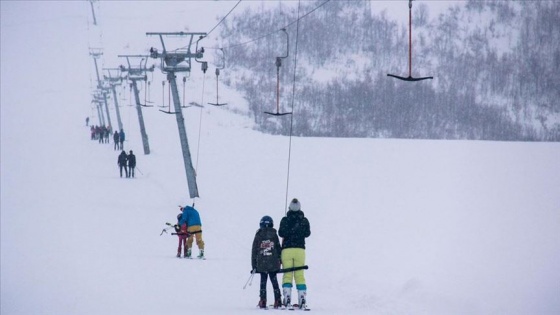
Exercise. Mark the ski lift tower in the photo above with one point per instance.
(99, 113)
(96, 53)
(113, 80)
(99, 98)
(179, 60)
(138, 73)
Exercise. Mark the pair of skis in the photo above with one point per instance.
(292, 307)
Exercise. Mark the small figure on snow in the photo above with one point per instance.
(265, 259)
(116, 139)
(131, 158)
(294, 229)
(182, 234)
(121, 139)
(191, 218)
(121, 162)
(87, 121)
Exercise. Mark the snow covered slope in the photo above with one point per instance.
(398, 227)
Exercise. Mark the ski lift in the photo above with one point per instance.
(146, 85)
(278, 65)
(147, 100)
(409, 78)
(130, 95)
(168, 111)
(184, 83)
(218, 68)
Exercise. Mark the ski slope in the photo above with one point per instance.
(398, 226)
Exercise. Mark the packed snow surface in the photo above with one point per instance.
(397, 226)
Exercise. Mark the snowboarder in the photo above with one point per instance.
(191, 218)
(131, 158)
(294, 229)
(265, 259)
(121, 162)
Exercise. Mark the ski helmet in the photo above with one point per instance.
(266, 221)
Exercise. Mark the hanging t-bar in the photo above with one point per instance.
(218, 68)
(409, 78)
(278, 65)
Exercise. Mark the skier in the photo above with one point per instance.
(265, 259)
(87, 121)
(121, 139)
(131, 158)
(116, 139)
(294, 229)
(182, 234)
(191, 218)
(121, 161)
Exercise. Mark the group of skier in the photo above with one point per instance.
(100, 133)
(127, 162)
(268, 254)
(118, 140)
(189, 228)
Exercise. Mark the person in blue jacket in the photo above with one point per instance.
(191, 218)
(121, 139)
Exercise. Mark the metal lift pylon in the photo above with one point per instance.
(134, 74)
(179, 60)
(96, 53)
(114, 80)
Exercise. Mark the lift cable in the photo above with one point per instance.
(292, 116)
(284, 27)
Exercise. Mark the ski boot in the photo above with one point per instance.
(201, 255)
(277, 299)
(188, 253)
(287, 298)
(302, 296)
(262, 303)
(179, 254)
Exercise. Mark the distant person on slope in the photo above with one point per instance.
(131, 158)
(265, 259)
(294, 229)
(182, 234)
(116, 139)
(191, 218)
(121, 162)
(121, 139)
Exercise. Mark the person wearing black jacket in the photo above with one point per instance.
(294, 229)
(131, 164)
(265, 259)
(122, 163)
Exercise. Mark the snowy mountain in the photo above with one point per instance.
(494, 65)
(398, 226)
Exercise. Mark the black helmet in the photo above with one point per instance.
(266, 221)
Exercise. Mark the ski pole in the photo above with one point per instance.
(250, 280)
(139, 170)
